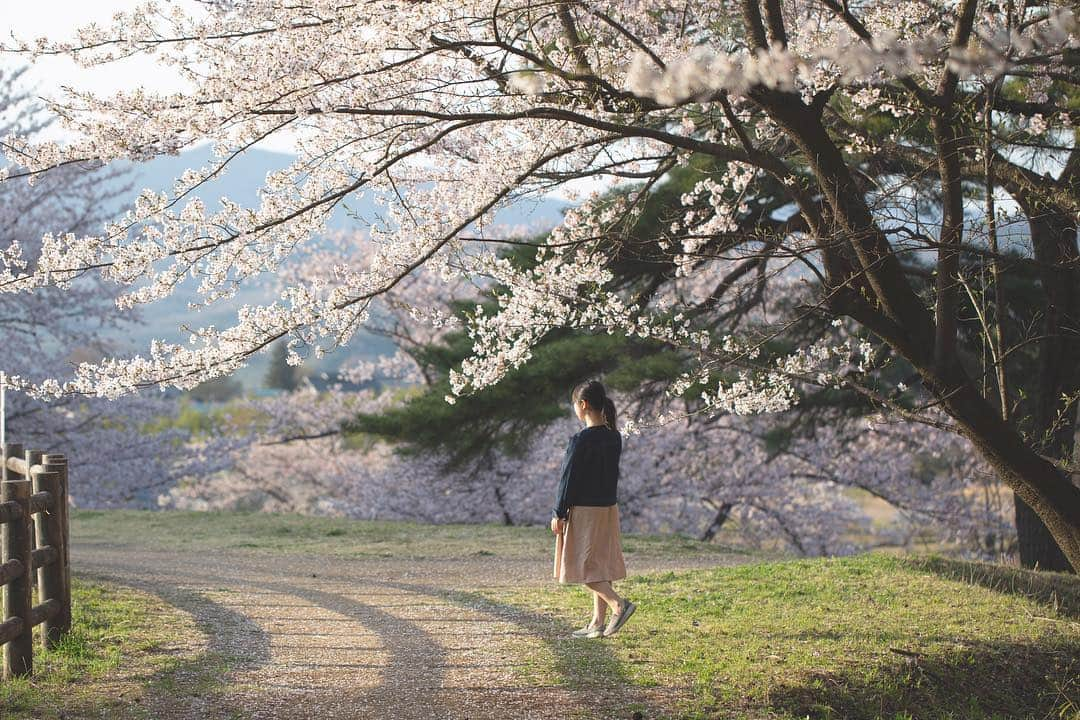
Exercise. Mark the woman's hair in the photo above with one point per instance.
(592, 392)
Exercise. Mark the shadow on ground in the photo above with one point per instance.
(1058, 590)
(1030, 681)
(189, 687)
(413, 683)
(607, 684)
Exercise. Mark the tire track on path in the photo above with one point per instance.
(377, 638)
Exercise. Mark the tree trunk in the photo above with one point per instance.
(501, 502)
(1036, 545)
(723, 512)
(1053, 238)
(1047, 492)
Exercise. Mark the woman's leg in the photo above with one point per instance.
(607, 594)
(599, 609)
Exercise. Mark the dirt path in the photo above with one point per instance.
(378, 638)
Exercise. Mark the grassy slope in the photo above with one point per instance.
(864, 637)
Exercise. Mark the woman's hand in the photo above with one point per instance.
(557, 525)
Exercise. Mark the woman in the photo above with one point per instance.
(586, 517)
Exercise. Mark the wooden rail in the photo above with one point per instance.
(34, 535)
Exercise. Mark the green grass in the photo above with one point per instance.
(122, 646)
(341, 537)
(866, 637)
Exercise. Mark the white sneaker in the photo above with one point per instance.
(619, 620)
(589, 631)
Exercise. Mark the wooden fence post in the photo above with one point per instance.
(18, 652)
(49, 534)
(32, 457)
(57, 463)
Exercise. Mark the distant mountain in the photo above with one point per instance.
(240, 183)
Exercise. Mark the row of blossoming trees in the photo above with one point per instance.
(493, 457)
(682, 479)
(856, 179)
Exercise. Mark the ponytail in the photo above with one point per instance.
(609, 412)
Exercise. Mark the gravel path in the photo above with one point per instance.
(384, 638)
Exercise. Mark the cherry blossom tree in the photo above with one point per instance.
(120, 453)
(859, 119)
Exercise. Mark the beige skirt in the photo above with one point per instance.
(589, 548)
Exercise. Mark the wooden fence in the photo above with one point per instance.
(34, 534)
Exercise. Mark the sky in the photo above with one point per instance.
(59, 20)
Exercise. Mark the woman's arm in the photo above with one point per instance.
(566, 481)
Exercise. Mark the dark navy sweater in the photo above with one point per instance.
(590, 470)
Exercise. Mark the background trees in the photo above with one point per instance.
(826, 241)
